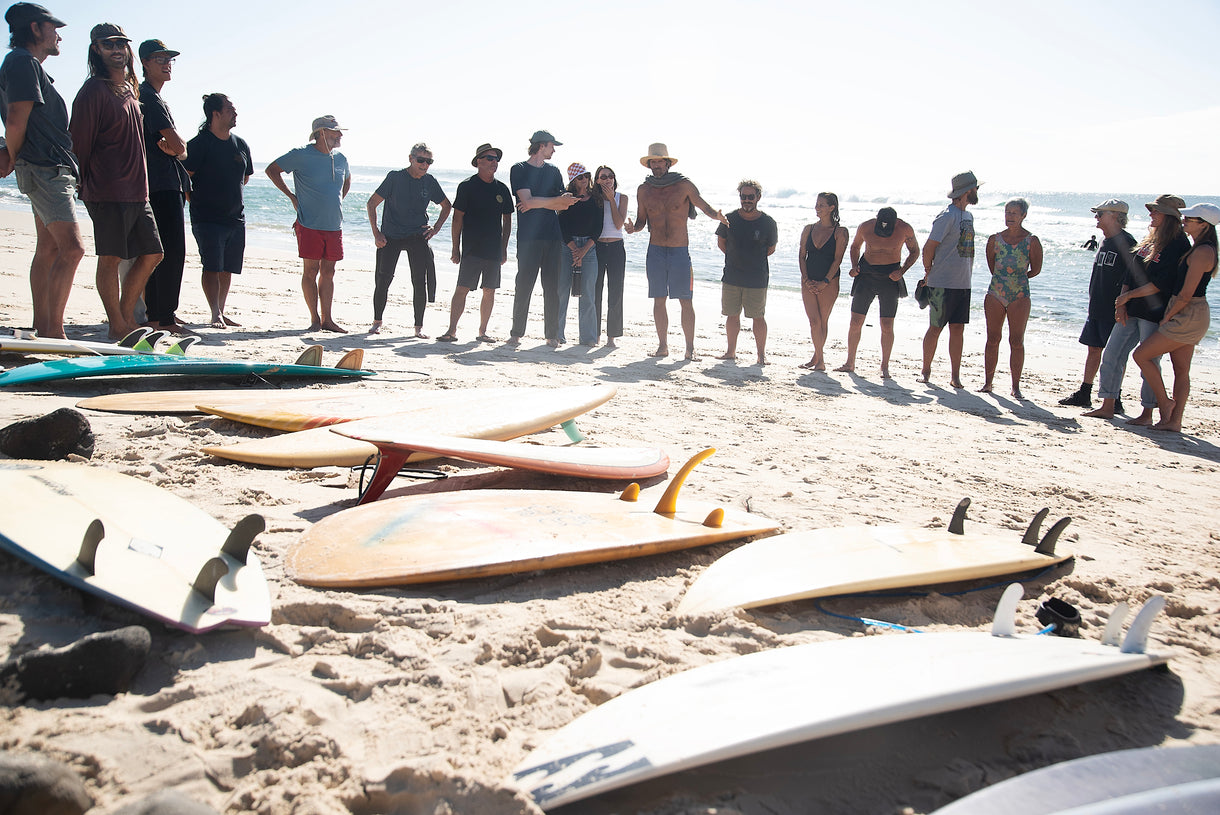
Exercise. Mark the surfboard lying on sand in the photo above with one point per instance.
(187, 401)
(477, 533)
(846, 560)
(507, 414)
(396, 446)
(1166, 780)
(790, 695)
(134, 544)
(167, 364)
(141, 341)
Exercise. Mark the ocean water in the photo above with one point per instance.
(1061, 220)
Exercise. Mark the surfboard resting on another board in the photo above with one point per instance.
(133, 543)
(395, 446)
(477, 533)
(167, 364)
(141, 341)
(847, 560)
(507, 413)
(789, 695)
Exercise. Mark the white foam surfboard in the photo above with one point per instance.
(769, 699)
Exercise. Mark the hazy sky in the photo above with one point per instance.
(875, 98)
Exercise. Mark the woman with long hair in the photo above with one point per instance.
(611, 254)
(581, 225)
(820, 254)
(1014, 256)
(1186, 317)
(1140, 305)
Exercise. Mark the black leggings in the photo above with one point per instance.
(611, 269)
(164, 286)
(423, 274)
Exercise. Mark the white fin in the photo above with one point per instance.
(1005, 622)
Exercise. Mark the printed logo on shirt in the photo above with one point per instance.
(965, 239)
(1105, 258)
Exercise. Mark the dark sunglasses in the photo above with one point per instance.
(422, 160)
(748, 197)
(489, 157)
(113, 45)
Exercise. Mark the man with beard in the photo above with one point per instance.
(108, 138)
(664, 202)
(747, 241)
(39, 148)
(948, 261)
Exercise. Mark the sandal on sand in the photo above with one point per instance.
(447, 337)
(485, 338)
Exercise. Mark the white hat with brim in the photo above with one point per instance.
(655, 151)
(1207, 212)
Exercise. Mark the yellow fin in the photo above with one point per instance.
(715, 518)
(668, 504)
(632, 493)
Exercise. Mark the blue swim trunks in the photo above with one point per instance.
(670, 273)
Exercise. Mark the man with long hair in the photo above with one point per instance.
(38, 148)
(108, 138)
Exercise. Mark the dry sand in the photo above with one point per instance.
(422, 700)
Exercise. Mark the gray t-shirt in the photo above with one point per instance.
(405, 212)
(47, 142)
(953, 262)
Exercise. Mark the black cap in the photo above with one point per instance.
(150, 47)
(886, 218)
(20, 15)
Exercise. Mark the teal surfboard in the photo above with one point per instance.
(164, 365)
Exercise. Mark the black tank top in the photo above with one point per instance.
(817, 261)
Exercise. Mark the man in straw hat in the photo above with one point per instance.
(948, 261)
(39, 149)
(321, 177)
(664, 201)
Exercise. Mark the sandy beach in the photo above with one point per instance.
(423, 699)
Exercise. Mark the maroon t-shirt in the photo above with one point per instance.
(108, 139)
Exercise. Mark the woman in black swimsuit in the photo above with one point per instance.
(820, 254)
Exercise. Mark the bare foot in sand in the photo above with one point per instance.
(986, 388)
(662, 351)
(1166, 424)
(332, 326)
(610, 342)
(925, 377)
(885, 373)
(727, 357)
(229, 322)
(218, 322)
(846, 369)
(375, 328)
(1016, 393)
(1142, 420)
(763, 361)
(419, 333)
(957, 384)
(1099, 413)
(315, 326)
(690, 354)
(808, 366)
(552, 343)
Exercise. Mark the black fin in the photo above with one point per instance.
(209, 576)
(1047, 546)
(238, 543)
(958, 524)
(87, 555)
(1035, 527)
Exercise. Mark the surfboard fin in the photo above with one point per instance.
(351, 361)
(632, 493)
(237, 545)
(1112, 635)
(86, 558)
(180, 346)
(572, 430)
(148, 343)
(1005, 622)
(311, 356)
(715, 518)
(1137, 635)
(957, 525)
(209, 576)
(1047, 546)
(668, 505)
(1030, 538)
(134, 337)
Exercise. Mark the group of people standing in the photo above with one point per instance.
(121, 153)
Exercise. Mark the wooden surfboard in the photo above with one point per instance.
(395, 446)
(133, 544)
(1149, 780)
(187, 401)
(517, 412)
(460, 535)
(789, 695)
(172, 364)
(847, 560)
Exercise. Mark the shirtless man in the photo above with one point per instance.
(878, 274)
(664, 202)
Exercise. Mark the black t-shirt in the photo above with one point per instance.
(583, 219)
(746, 246)
(543, 182)
(1109, 269)
(483, 206)
(47, 142)
(165, 173)
(1158, 269)
(219, 168)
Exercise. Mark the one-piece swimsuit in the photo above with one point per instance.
(1010, 280)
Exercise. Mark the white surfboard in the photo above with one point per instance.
(847, 560)
(790, 695)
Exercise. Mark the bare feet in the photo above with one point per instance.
(1099, 413)
(419, 333)
(316, 325)
(690, 354)
(375, 328)
(332, 326)
(662, 351)
(726, 357)
(986, 388)
(925, 376)
(1016, 393)
(846, 369)
(513, 341)
(229, 322)
(763, 361)
(218, 322)
(1172, 427)
(1142, 420)
(885, 373)
(553, 343)
(610, 343)
(809, 366)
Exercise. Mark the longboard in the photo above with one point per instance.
(395, 446)
(513, 413)
(187, 401)
(789, 695)
(133, 544)
(167, 364)
(141, 341)
(1152, 779)
(845, 560)
(460, 535)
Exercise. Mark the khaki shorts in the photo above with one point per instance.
(736, 299)
(1190, 324)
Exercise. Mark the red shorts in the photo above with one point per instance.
(318, 244)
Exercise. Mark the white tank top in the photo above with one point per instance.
(608, 228)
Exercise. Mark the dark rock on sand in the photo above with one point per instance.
(98, 663)
(32, 785)
(49, 438)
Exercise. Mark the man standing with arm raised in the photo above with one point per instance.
(948, 262)
(664, 201)
(39, 148)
